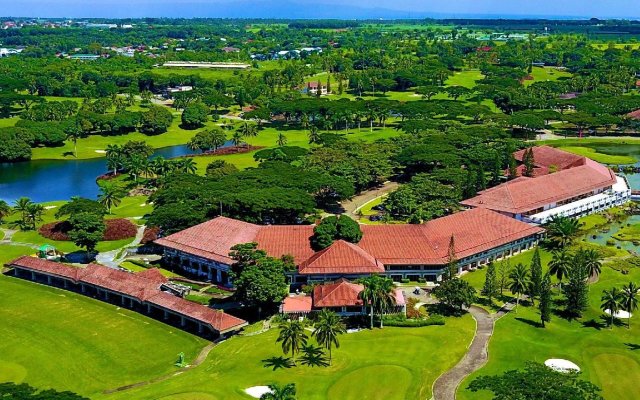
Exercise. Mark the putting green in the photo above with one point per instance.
(12, 372)
(615, 374)
(190, 396)
(374, 382)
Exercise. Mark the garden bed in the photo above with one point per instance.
(116, 229)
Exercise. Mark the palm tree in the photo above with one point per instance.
(22, 206)
(314, 136)
(187, 165)
(327, 329)
(110, 196)
(630, 300)
(136, 166)
(292, 336)
(236, 139)
(611, 301)
(34, 214)
(5, 209)
(562, 230)
(277, 392)
(115, 157)
(369, 292)
(248, 130)
(282, 139)
(560, 264)
(519, 282)
(160, 166)
(74, 133)
(385, 298)
(590, 260)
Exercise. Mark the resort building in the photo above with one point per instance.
(147, 292)
(413, 252)
(563, 184)
(341, 297)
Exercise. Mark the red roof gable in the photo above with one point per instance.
(634, 114)
(212, 239)
(144, 286)
(526, 194)
(340, 294)
(296, 304)
(547, 156)
(341, 258)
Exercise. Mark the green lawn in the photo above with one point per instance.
(630, 233)
(63, 340)
(599, 157)
(467, 79)
(136, 268)
(7, 122)
(541, 74)
(10, 253)
(403, 365)
(93, 146)
(608, 358)
(130, 207)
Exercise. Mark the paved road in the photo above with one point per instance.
(445, 387)
(352, 205)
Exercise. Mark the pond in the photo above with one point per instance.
(50, 180)
(601, 237)
(621, 149)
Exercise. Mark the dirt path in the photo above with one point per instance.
(196, 362)
(445, 387)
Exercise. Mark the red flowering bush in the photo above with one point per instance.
(150, 234)
(117, 229)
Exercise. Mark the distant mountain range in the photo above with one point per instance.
(232, 9)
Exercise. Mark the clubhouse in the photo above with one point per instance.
(413, 252)
(341, 297)
(147, 292)
(563, 184)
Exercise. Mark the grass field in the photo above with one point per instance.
(67, 341)
(404, 365)
(467, 79)
(130, 207)
(608, 358)
(599, 157)
(541, 74)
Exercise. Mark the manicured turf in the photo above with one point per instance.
(599, 157)
(467, 79)
(88, 146)
(541, 74)
(7, 122)
(607, 357)
(55, 338)
(130, 207)
(630, 233)
(392, 363)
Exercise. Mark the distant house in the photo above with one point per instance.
(634, 114)
(229, 49)
(341, 296)
(312, 88)
(84, 57)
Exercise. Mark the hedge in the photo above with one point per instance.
(402, 321)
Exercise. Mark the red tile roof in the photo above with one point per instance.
(526, 194)
(546, 156)
(342, 293)
(212, 239)
(634, 114)
(341, 258)
(144, 286)
(474, 231)
(297, 304)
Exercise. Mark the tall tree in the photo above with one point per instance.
(576, 291)
(452, 262)
(611, 302)
(560, 264)
(590, 260)
(490, 287)
(519, 282)
(545, 300)
(327, 329)
(110, 196)
(536, 275)
(5, 210)
(292, 336)
(630, 300)
(503, 271)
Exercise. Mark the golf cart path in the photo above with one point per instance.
(352, 206)
(445, 387)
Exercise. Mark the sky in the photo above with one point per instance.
(346, 9)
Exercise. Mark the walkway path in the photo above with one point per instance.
(196, 362)
(113, 258)
(445, 387)
(351, 206)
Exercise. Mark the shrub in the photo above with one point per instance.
(116, 229)
(150, 234)
(405, 280)
(400, 320)
(412, 312)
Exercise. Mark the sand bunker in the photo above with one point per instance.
(560, 365)
(257, 391)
